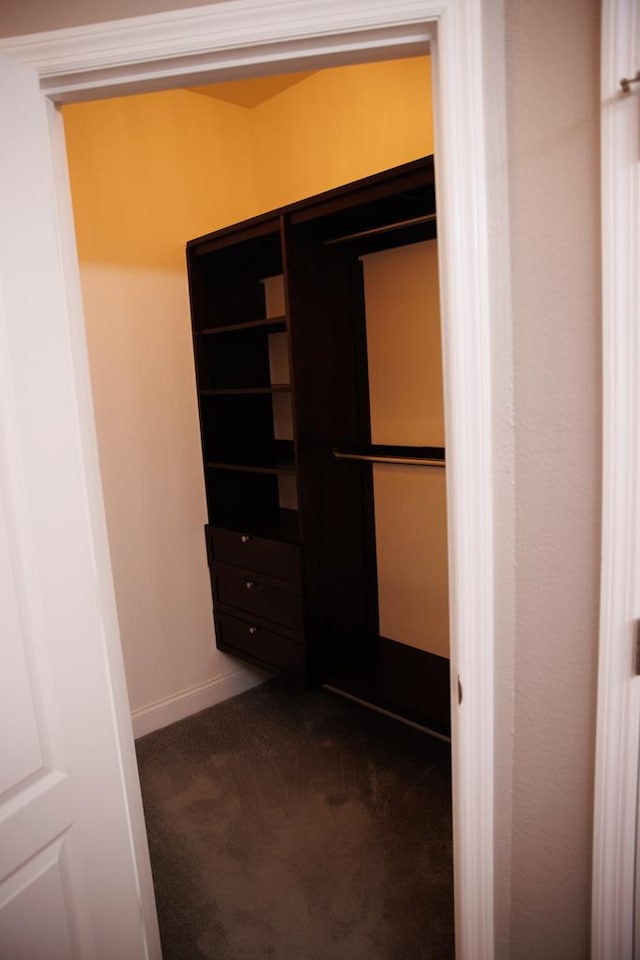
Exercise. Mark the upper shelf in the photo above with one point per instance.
(269, 324)
(389, 195)
(392, 453)
(276, 458)
(247, 391)
(388, 235)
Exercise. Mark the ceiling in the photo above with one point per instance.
(249, 93)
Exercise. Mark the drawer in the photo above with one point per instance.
(272, 557)
(254, 640)
(253, 594)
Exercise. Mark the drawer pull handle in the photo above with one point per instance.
(249, 584)
(245, 538)
(253, 631)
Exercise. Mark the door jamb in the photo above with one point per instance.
(618, 715)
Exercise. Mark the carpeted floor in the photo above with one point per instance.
(298, 827)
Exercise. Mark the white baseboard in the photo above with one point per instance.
(183, 704)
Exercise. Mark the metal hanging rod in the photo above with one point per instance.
(387, 228)
(626, 82)
(380, 458)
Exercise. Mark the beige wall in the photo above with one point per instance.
(18, 17)
(404, 354)
(151, 473)
(141, 171)
(552, 83)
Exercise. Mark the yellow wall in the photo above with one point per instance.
(148, 173)
(339, 125)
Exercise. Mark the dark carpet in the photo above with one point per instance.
(299, 826)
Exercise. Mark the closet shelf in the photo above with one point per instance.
(399, 454)
(275, 460)
(253, 467)
(269, 325)
(384, 228)
(247, 391)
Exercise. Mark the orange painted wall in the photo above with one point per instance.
(148, 172)
(339, 125)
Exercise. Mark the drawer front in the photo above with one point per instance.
(272, 557)
(256, 641)
(251, 594)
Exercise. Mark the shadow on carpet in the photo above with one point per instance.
(298, 826)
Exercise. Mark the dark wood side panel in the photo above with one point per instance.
(410, 682)
(327, 331)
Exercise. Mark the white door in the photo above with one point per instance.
(74, 878)
(616, 923)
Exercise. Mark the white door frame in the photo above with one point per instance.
(618, 722)
(247, 37)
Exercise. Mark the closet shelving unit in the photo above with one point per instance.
(279, 334)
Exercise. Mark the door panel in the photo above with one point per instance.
(36, 802)
(74, 872)
(34, 909)
(17, 705)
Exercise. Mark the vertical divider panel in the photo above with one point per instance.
(326, 314)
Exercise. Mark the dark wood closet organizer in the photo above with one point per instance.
(294, 585)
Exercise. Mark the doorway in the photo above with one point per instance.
(150, 172)
(462, 88)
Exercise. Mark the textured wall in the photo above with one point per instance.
(552, 82)
(147, 423)
(18, 17)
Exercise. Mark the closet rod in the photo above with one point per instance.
(372, 458)
(373, 231)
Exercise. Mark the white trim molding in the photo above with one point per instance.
(618, 731)
(463, 229)
(249, 37)
(200, 696)
(234, 37)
